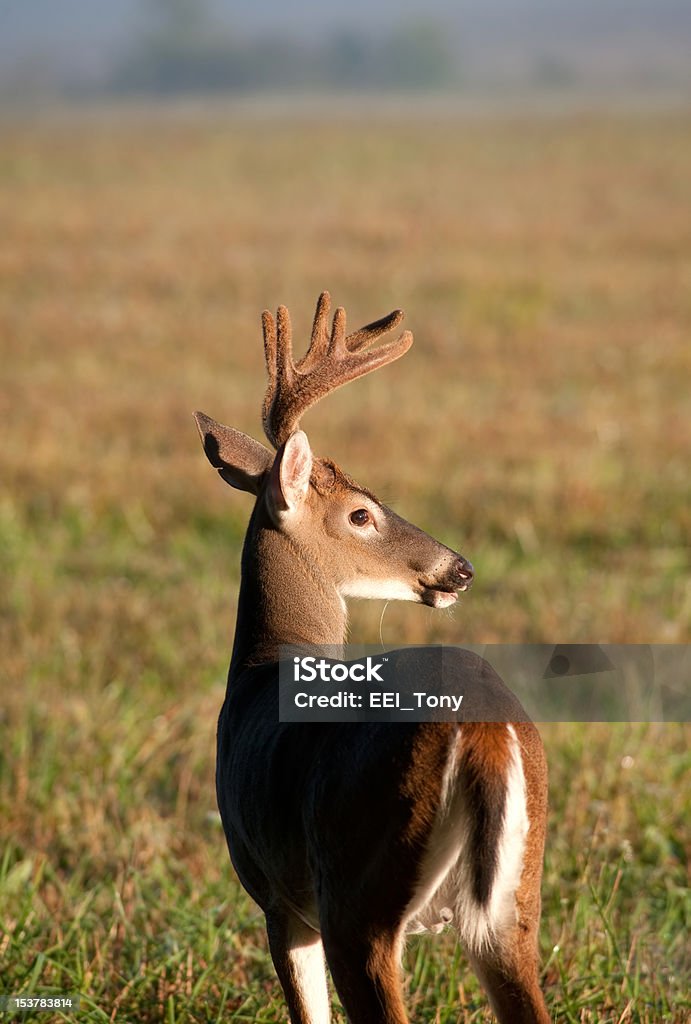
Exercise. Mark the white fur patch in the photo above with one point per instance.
(309, 973)
(384, 590)
(502, 907)
(444, 894)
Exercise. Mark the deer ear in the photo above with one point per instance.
(289, 479)
(240, 460)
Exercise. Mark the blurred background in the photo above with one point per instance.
(621, 48)
(515, 174)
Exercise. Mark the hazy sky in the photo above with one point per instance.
(82, 33)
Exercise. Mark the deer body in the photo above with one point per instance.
(351, 835)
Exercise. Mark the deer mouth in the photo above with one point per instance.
(440, 597)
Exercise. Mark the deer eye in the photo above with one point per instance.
(360, 517)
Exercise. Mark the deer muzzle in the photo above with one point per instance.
(443, 591)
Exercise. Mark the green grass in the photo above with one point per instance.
(539, 425)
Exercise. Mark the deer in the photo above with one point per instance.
(350, 836)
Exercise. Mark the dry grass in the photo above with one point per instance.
(539, 425)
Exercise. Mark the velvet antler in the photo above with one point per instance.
(332, 359)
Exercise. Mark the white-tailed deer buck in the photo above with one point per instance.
(350, 835)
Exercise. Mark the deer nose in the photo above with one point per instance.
(462, 571)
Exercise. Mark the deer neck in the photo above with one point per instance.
(286, 597)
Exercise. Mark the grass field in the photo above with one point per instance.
(539, 425)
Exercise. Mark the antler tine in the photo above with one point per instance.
(285, 367)
(365, 336)
(337, 344)
(332, 360)
(270, 343)
(278, 352)
(319, 339)
(360, 363)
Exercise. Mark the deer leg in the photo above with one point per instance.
(298, 957)
(367, 978)
(512, 987)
